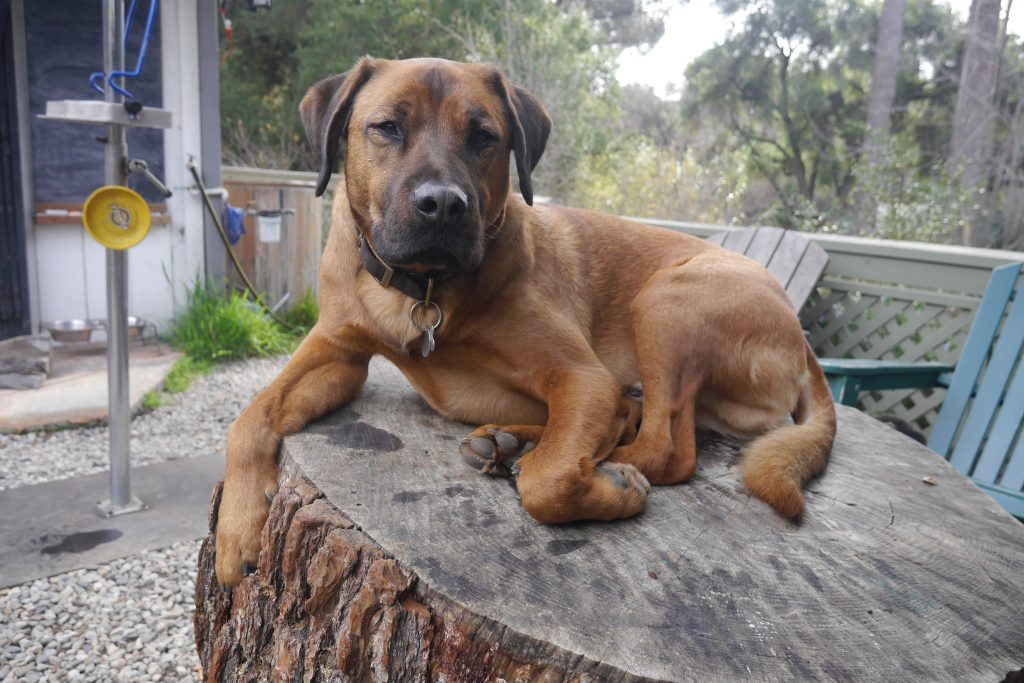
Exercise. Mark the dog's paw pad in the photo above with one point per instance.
(483, 448)
(496, 453)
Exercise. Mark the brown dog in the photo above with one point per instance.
(535, 322)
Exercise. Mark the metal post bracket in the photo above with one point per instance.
(107, 113)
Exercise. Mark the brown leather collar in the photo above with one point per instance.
(413, 285)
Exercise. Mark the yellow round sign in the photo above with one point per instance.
(116, 217)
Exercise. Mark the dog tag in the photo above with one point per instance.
(427, 345)
(427, 341)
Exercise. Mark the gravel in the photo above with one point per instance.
(131, 619)
(189, 424)
(127, 620)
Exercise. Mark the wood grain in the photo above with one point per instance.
(387, 558)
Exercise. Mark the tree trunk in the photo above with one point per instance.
(386, 558)
(974, 121)
(886, 68)
(331, 605)
(883, 93)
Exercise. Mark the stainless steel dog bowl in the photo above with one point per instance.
(135, 326)
(74, 330)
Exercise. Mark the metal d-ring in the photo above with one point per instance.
(120, 216)
(412, 315)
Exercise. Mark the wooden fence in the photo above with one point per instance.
(887, 299)
(285, 264)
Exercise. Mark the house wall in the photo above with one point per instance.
(67, 268)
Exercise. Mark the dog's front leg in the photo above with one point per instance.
(325, 373)
(566, 477)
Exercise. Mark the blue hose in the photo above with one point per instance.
(96, 79)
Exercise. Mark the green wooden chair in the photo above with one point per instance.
(978, 429)
(795, 261)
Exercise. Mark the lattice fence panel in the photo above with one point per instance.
(854, 319)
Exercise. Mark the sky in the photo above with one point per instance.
(692, 28)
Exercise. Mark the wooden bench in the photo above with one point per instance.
(795, 261)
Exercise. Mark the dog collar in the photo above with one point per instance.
(413, 285)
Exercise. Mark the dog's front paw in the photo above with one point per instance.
(495, 450)
(243, 511)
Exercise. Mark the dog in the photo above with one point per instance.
(542, 324)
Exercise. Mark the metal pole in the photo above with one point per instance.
(115, 173)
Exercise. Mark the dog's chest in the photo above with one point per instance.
(473, 392)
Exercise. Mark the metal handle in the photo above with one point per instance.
(142, 168)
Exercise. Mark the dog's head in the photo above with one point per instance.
(427, 153)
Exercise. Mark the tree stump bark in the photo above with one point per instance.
(386, 558)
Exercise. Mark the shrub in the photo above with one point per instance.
(224, 326)
(304, 314)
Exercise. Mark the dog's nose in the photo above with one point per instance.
(439, 204)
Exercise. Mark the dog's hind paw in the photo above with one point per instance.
(495, 450)
(624, 476)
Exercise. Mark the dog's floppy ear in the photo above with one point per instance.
(325, 112)
(530, 125)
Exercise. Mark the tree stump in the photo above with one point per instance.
(386, 558)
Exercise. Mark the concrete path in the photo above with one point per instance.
(52, 528)
(76, 390)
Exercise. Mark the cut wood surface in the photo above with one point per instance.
(387, 558)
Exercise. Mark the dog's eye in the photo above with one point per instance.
(482, 138)
(388, 129)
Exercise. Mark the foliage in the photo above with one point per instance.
(559, 57)
(792, 85)
(557, 52)
(304, 314)
(637, 177)
(180, 378)
(217, 326)
(912, 201)
(771, 127)
(792, 82)
(151, 401)
(184, 372)
(623, 22)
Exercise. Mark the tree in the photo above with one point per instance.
(562, 54)
(790, 84)
(974, 121)
(886, 69)
(790, 87)
(277, 54)
(646, 114)
(884, 76)
(1008, 160)
(623, 23)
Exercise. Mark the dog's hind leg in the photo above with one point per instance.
(566, 477)
(672, 354)
(665, 449)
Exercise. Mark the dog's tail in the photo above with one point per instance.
(776, 466)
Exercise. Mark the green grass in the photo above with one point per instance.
(184, 372)
(304, 313)
(221, 326)
(180, 378)
(152, 400)
(226, 326)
